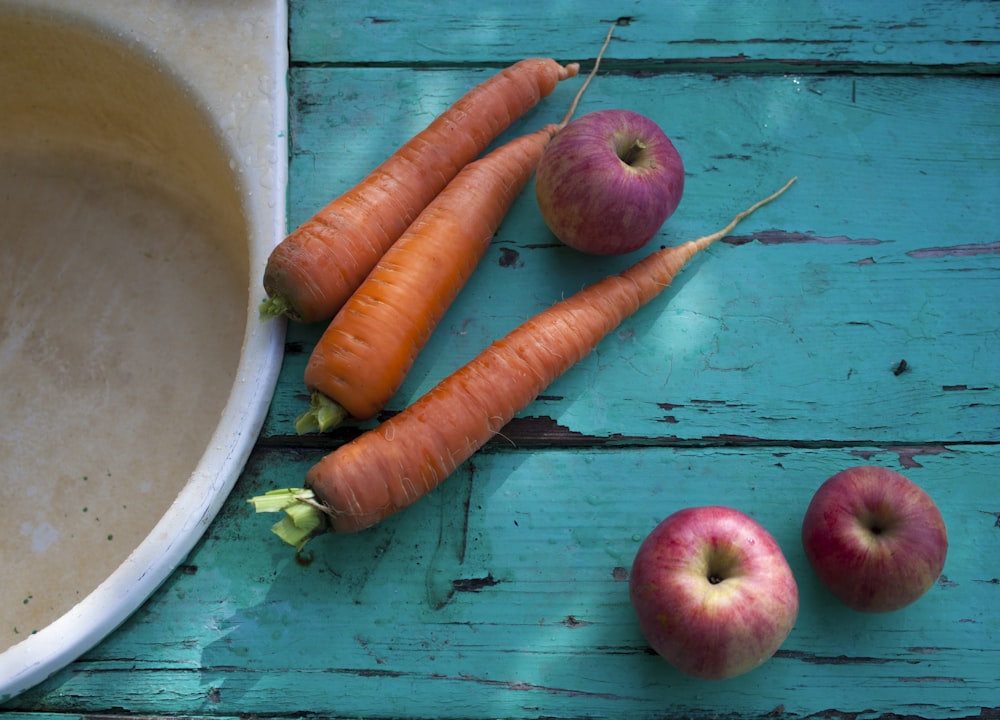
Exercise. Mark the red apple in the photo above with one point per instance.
(875, 538)
(713, 592)
(608, 181)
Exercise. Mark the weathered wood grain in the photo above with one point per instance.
(505, 595)
(792, 329)
(774, 361)
(827, 35)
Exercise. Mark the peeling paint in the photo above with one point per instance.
(906, 453)
(509, 257)
(933, 679)
(475, 584)
(531, 687)
(783, 237)
(966, 250)
(815, 659)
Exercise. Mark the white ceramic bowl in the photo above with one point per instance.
(142, 178)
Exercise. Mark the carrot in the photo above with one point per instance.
(366, 352)
(312, 272)
(393, 465)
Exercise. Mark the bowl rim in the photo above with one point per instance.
(53, 647)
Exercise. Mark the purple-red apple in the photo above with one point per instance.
(875, 538)
(608, 181)
(713, 592)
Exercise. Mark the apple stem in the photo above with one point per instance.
(632, 152)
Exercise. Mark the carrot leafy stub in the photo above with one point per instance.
(396, 463)
(303, 520)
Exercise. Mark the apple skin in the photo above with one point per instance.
(608, 181)
(713, 592)
(875, 539)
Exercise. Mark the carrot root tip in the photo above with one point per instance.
(323, 414)
(304, 517)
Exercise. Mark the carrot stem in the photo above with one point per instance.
(303, 519)
(322, 415)
(273, 307)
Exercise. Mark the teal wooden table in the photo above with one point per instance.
(772, 362)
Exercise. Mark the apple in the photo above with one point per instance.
(608, 181)
(713, 592)
(875, 538)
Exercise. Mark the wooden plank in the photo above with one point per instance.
(833, 34)
(767, 367)
(504, 594)
(793, 329)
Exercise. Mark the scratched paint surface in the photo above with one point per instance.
(807, 311)
(854, 321)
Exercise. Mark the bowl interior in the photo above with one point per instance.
(123, 305)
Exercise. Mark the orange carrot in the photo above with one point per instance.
(314, 270)
(365, 353)
(393, 465)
